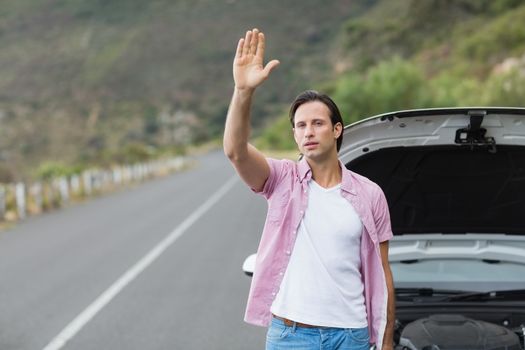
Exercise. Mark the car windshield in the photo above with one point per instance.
(459, 274)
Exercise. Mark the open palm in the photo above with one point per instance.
(248, 69)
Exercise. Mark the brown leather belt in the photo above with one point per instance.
(290, 323)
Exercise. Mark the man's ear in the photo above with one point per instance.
(338, 129)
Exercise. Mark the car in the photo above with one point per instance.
(454, 179)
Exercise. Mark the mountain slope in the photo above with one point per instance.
(80, 80)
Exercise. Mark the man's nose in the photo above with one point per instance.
(309, 131)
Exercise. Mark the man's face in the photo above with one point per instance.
(313, 131)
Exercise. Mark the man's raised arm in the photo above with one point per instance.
(248, 74)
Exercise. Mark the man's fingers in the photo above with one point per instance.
(260, 46)
(254, 41)
(270, 66)
(240, 45)
(246, 44)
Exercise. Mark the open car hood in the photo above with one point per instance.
(454, 170)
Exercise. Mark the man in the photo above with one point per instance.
(322, 278)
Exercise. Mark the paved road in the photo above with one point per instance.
(52, 267)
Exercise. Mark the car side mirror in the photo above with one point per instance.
(249, 265)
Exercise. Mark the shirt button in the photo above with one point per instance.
(280, 273)
(288, 252)
(301, 212)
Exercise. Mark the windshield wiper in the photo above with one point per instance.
(404, 294)
(439, 295)
(508, 295)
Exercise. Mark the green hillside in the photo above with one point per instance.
(434, 54)
(86, 81)
(402, 54)
(104, 82)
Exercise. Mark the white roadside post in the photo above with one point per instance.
(86, 177)
(35, 192)
(75, 185)
(117, 176)
(64, 189)
(20, 195)
(2, 202)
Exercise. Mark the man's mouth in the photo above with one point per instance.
(310, 144)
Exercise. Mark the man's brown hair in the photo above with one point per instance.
(312, 95)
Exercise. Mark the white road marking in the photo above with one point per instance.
(85, 316)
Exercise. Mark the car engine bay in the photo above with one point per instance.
(454, 331)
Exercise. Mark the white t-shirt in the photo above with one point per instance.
(322, 284)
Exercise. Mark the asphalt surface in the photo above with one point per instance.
(53, 266)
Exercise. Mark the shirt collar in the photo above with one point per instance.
(304, 170)
(347, 181)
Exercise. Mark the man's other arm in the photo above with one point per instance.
(248, 73)
(388, 339)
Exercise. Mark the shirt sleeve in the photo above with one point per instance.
(382, 217)
(276, 170)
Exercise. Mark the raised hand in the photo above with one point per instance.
(248, 69)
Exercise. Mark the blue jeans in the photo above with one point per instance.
(281, 337)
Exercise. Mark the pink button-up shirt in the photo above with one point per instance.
(286, 190)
